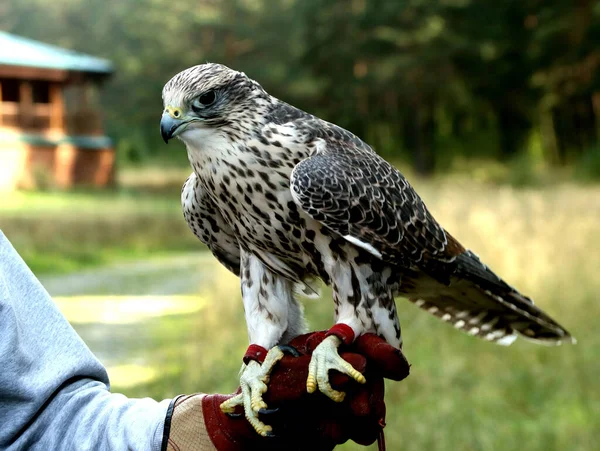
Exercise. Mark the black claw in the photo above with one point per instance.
(270, 435)
(234, 415)
(268, 411)
(289, 349)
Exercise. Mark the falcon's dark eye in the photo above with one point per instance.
(207, 98)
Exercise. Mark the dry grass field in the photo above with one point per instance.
(462, 394)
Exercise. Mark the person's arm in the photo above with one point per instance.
(53, 391)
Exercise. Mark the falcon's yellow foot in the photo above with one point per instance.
(324, 358)
(253, 381)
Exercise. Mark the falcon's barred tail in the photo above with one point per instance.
(478, 302)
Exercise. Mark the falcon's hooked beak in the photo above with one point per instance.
(172, 123)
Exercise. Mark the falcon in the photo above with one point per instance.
(283, 198)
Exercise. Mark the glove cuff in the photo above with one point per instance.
(255, 352)
(185, 428)
(343, 332)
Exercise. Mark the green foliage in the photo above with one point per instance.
(422, 80)
(588, 167)
(131, 149)
(522, 171)
(62, 232)
(42, 179)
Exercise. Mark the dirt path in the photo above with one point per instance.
(115, 309)
(160, 276)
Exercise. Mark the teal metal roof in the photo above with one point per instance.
(19, 51)
(81, 141)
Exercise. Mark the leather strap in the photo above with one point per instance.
(255, 352)
(381, 441)
(343, 332)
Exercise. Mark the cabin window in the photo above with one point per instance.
(40, 91)
(10, 90)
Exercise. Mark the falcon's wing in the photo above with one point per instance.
(350, 189)
(353, 191)
(208, 225)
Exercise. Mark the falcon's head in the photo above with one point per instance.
(207, 97)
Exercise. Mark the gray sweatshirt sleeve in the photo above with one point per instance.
(54, 393)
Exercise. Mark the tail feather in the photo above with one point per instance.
(481, 304)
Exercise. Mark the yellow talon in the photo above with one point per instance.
(265, 430)
(259, 427)
(311, 384)
(359, 377)
(253, 380)
(339, 396)
(325, 358)
(258, 404)
(230, 405)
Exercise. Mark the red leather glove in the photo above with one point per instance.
(300, 420)
(361, 416)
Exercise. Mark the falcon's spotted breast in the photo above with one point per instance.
(282, 197)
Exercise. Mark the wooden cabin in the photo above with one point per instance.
(50, 123)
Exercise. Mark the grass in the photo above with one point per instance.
(58, 232)
(462, 394)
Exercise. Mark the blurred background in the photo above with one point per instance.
(491, 109)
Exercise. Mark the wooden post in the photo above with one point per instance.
(57, 109)
(64, 164)
(26, 104)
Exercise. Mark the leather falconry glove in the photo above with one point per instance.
(300, 420)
